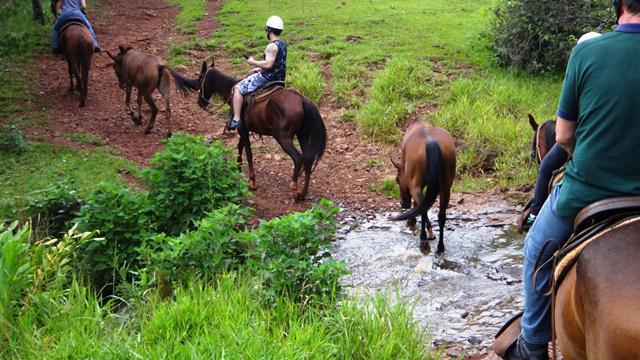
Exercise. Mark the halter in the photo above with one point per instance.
(538, 150)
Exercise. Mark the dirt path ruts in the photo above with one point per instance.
(350, 165)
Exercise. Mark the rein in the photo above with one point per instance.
(538, 150)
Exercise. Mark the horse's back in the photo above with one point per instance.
(142, 69)
(76, 37)
(414, 143)
(601, 300)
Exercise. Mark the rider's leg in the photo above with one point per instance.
(555, 158)
(536, 321)
(90, 28)
(238, 98)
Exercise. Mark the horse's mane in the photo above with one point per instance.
(220, 83)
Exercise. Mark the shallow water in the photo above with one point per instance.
(462, 297)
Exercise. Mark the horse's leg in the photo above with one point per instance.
(442, 217)
(154, 112)
(137, 117)
(70, 67)
(426, 224)
(244, 137)
(164, 89)
(290, 149)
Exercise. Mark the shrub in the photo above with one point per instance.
(15, 272)
(537, 35)
(215, 246)
(123, 218)
(190, 178)
(291, 257)
(12, 140)
(53, 207)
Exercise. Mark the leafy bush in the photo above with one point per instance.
(190, 178)
(15, 272)
(537, 35)
(12, 140)
(123, 217)
(215, 246)
(291, 257)
(53, 207)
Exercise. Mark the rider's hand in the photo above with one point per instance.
(250, 60)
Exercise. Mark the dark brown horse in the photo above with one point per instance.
(544, 138)
(286, 114)
(77, 47)
(597, 306)
(147, 73)
(428, 158)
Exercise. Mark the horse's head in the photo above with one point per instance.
(205, 92)
(405, 195)
(117, 65)
(544, 137)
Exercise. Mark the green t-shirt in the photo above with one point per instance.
(601, 91)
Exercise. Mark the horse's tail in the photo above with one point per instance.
(183, 84)
(312, 134)
(433, 172)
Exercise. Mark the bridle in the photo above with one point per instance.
(207, 101)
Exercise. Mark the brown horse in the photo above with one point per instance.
(597, 306)
(284, 115)
(428, 158)
(544, 138)
(147, 73)
(77, 47)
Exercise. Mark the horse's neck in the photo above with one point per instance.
(226, 86)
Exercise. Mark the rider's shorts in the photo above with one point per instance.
(251, 83)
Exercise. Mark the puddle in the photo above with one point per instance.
(462, 297)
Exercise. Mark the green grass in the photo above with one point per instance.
(83, 138)
(220, 320)
(191, 11)
(43, 164)
(387, 187)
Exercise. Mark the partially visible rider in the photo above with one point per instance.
(72, 9)
(555, 158)
(272, 68)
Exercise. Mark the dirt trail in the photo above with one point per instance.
(344, 175)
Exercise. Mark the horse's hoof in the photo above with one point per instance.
(299, 198)
(82, 104)
(425, 249)
(411, 222)
(423, 237)
(147, 130)
(440, 250)
(431, 235)
(252, 185)
(169, 134)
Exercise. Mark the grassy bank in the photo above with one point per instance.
(36, 165)
(383, 58)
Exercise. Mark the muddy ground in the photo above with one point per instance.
(350, 166)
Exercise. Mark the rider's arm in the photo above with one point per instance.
(566, 134)
(269, 58)
(83, 4)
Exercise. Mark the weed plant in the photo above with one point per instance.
(52, 208)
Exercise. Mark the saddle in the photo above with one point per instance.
(591, 223)
(261, 94)
(71, 21)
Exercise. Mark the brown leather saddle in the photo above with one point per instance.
(261, 94)
(69, 22)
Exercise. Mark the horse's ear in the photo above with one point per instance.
(204, 67)
(212, 61)
(124, 49)
(533, 122)
(395, 161)
(111, 56)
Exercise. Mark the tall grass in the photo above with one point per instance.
(305, 76)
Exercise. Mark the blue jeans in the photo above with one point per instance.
(63, 18)
(536, 321)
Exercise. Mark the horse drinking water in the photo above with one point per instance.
(282, 114)
(428, 158)
(147, 73)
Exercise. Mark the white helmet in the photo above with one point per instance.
(587, 36)
(275, 22)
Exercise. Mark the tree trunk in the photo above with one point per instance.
(38, 15)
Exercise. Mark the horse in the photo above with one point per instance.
(284, 115)
(428, 158)
(76, 45)
(544, 138)
(147, 73)
(596, 308)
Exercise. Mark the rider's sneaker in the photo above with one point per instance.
(528, 222)
(521, 350)
(233, 124)
(96, 49)
(55, 51)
